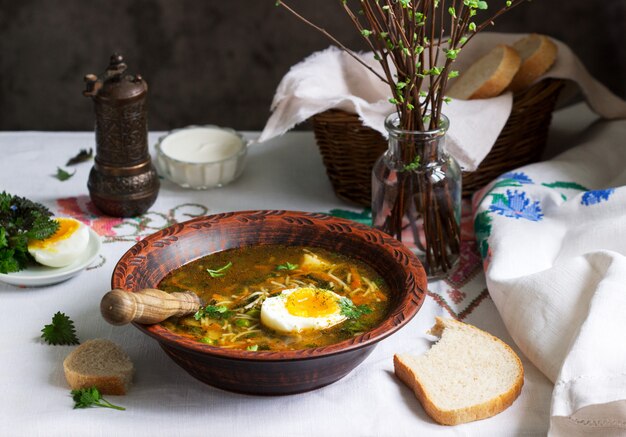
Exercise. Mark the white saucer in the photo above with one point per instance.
(38, 275)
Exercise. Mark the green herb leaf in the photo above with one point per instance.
(254, 347)
(287, 266)
(352, 311)
(352, 327)
(254, 312)
(8, 262)
(60, 331)
(217, 273)
(82, 156)
(242, 323)
(91, 397)
(3, 238)
(62, 175)
(213, 312)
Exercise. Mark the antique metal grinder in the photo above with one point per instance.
(123, 182)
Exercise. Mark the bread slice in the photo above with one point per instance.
(100, 363)
(538, 53)
(467, 375)
(488, 76)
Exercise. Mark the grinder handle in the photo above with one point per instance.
(119, 307)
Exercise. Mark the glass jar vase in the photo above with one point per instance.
(416, 195)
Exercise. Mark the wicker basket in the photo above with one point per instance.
(350, 149)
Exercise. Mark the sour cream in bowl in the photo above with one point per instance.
(201, 157)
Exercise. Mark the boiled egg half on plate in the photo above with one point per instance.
(64, 247)
(300, 309)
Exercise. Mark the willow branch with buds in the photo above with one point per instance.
(401, 33)
(416, 43)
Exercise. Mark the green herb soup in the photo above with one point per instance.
(278, 298)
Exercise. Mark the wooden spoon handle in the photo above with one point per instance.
(119, 307)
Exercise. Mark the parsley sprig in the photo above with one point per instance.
(352, 311)
(91, 397)
(353, 327)
(218, 312)
(217, 273)
(287, 266)
(60, 331)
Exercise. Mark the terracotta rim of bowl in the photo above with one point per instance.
(415, 281)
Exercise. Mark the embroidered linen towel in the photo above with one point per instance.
(553, 238)
(332, 79)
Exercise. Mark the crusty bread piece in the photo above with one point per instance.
(488, 76)
(538, 53)
(99, 363)
(467, 375)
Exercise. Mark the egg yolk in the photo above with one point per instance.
(310, 302)
(66, 228)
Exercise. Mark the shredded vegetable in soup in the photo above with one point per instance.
(277, 298)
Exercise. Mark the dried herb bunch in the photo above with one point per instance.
(416, 43)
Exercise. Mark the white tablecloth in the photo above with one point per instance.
(285, 173)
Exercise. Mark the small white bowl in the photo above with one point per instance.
(201, 157)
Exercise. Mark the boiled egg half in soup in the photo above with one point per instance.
(300, 309)
(64, 246)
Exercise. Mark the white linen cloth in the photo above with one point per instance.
(332, 79)
(164, 401)
(554, 239)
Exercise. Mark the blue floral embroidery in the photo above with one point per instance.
(596, 196)
(516, 205)
(520, 177)
(512, 204)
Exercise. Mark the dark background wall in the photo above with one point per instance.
(217, 61)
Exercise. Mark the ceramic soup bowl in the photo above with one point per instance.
(271, 372)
